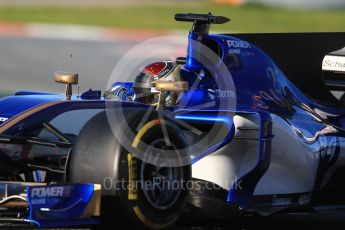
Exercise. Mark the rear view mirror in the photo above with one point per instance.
(68, 79)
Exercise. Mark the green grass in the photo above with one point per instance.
(247, 18)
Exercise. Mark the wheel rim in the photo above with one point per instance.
(162, 185)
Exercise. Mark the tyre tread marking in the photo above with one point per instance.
(132, 190)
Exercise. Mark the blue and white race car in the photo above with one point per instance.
(244, 123)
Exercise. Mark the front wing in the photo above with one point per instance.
(53, 205)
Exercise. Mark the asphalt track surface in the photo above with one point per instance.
(29, 63)
(330, 220)
(326, 220)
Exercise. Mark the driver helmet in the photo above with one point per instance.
(144, 82)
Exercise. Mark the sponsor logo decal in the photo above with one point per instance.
(238, 44)
(334, 63)
(3, 119)
(236, 47)
(47, 192)
(225, 93)
(49, 195)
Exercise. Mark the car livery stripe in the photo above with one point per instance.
(132, 192)
(26, 114)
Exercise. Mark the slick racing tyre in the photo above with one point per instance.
(149, 178)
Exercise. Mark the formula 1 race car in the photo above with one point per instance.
(245, 123)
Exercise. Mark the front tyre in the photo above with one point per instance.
(150, 177)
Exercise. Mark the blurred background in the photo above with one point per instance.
(38, 37)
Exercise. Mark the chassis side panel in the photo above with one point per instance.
(293, 165)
